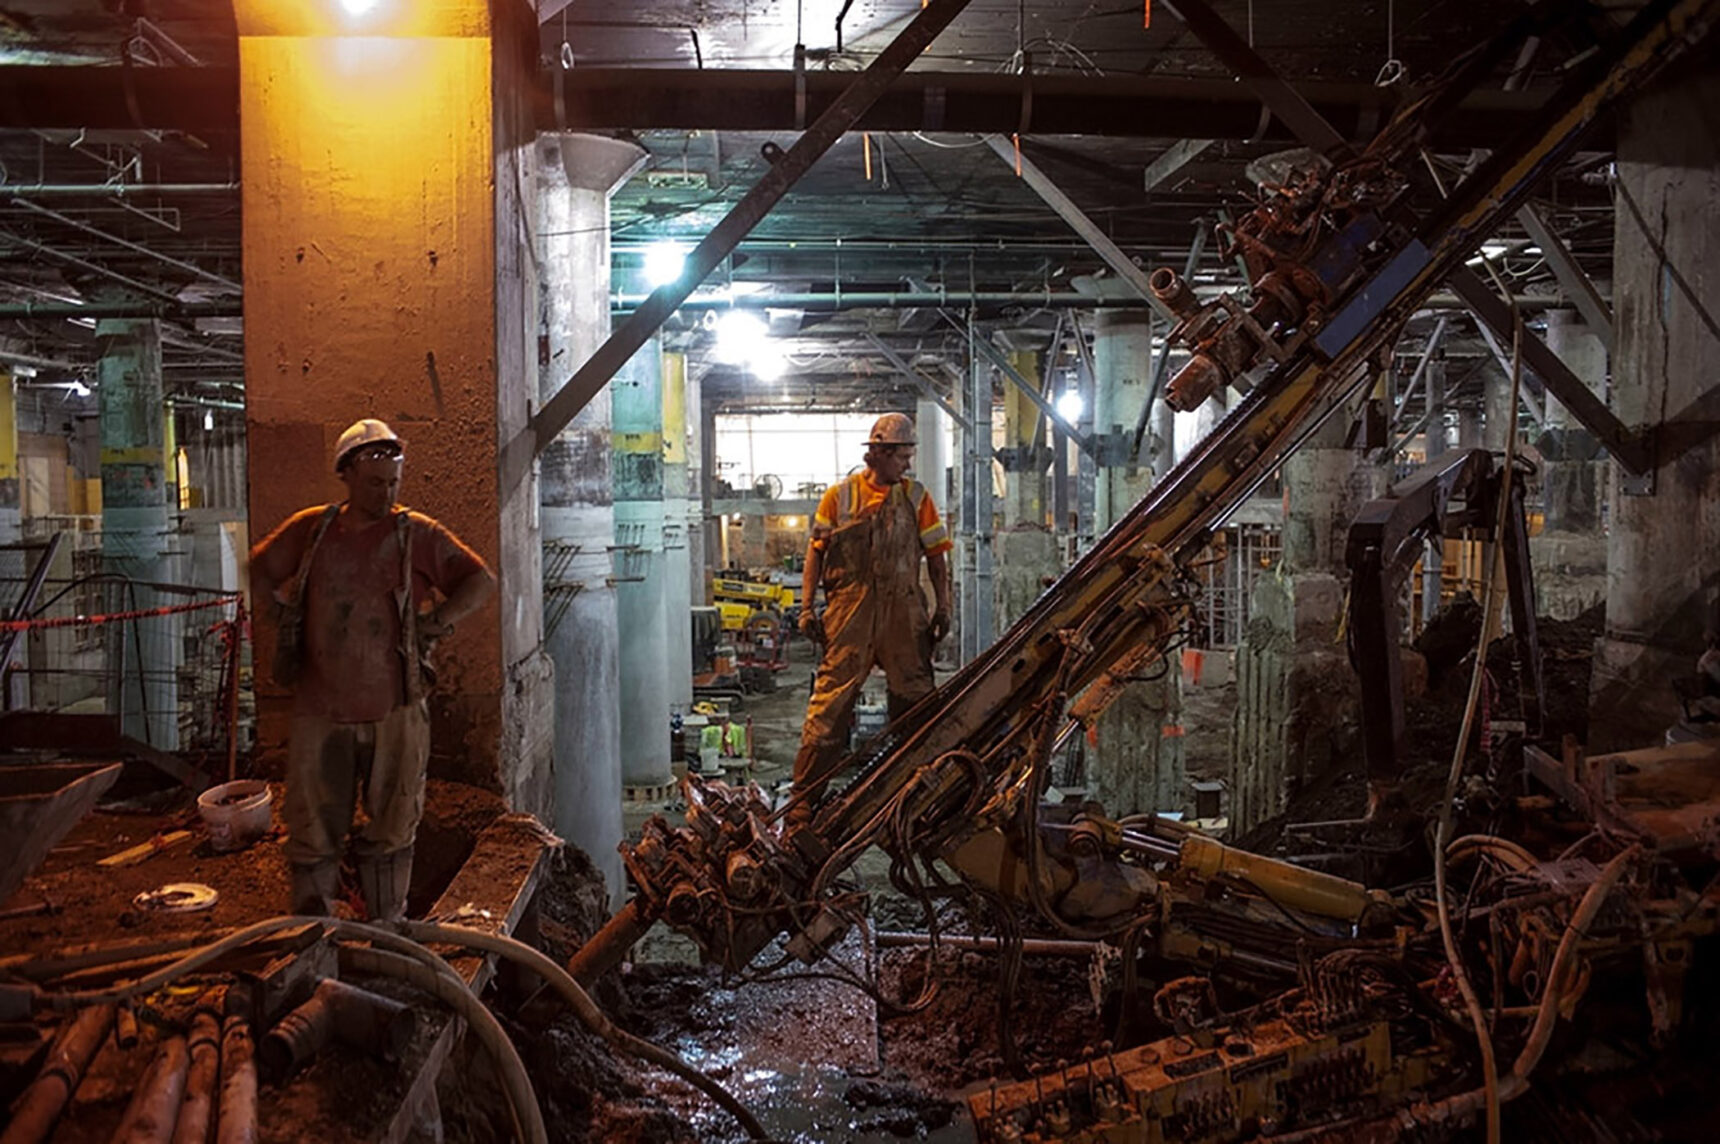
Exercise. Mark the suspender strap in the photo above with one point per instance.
(304, 570)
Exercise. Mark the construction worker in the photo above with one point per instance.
(868, 537)
(362, 586)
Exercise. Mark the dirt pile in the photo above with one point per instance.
(956, 1041)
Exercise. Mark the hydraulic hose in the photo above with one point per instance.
(592, 1017)
(1516, 1083)
(452, 991)
(528, 1117)
(406, 939)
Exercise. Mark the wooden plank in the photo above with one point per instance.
(494, 887)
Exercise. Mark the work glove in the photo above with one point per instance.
(940, 626)
(812, 626)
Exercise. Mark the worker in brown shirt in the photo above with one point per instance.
(363, 586)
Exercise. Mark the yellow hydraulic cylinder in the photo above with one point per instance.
(1294, 886)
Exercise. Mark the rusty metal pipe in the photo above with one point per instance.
(204, 1047)
(1174, 291)
(610, 944)
(237, 1123)
(151, 1116)
(369, 1022)
(34, 1114)
(1032, 946)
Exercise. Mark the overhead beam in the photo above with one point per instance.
(919, 379)
(837, 119)
(1179, 155)
(1112, 254)
(206, 99)
(1578, 287)
(1628, 447)
(1234, 52)
(1432, 347)
(997, 358)
(1537, 413)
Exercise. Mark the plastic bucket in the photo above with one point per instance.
(236, 813)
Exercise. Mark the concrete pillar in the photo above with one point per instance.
(698, 550)
(10, 502)
(138, 538)
(641, 594)
(1297, 697)
(387, 162)
(975, 521)
(576, 174)
(1663, 549)
(1026, 548)
(1433, 550)
(1137, 765)
(932, 457)
(1570, 554)
(1122, 366)
(677, 555)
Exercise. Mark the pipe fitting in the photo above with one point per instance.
(1169, 287)
(369, 1022)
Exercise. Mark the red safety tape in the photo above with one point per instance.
(113, 617)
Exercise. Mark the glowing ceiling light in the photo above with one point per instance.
(767, 364)
(357, 8)
(664, 263)
(1070, 406)
(739, 334)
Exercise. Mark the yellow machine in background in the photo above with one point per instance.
(758, 615)
(739, 600)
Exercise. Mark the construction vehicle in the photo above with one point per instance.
(739, 599)
(1357, 1034)
(759, 615)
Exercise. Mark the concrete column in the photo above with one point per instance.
(932, 457)
(138, 538)
(1433, 551)
(677, 555)
(387, 166)
(1570, 554)
(1026, 548)
(1138, 763)
(576, 175)
(1297, 697)
(642, 573)
(1122, 364)
(10, 478)
(698, 551)
(1663, 549)
(975, 601)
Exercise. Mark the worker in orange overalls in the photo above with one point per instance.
(867, 540)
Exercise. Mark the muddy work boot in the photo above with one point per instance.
(315, 887)
(385, 880)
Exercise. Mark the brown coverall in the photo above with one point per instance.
(875, 614)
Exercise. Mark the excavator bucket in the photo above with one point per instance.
(38, 805)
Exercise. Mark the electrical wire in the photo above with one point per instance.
(1495, 571)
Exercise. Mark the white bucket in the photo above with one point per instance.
(236, 813)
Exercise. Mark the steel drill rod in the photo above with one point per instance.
(1036, 946)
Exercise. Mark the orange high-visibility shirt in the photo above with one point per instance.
(858, 496)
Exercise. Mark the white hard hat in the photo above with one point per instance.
(369, 431)
(892, 429)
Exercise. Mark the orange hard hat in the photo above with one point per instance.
(892, 429)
